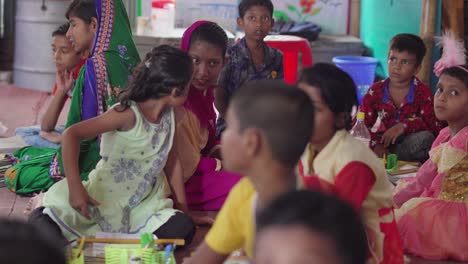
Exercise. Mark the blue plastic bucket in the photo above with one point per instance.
(361, 69)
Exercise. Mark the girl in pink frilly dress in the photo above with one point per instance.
(433, 206)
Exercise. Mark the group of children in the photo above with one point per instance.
(68, 64)
(143, 164)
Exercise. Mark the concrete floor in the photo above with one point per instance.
(22, 107)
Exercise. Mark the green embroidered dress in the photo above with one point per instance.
(112, 59)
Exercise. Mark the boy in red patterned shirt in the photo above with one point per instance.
(399, 110)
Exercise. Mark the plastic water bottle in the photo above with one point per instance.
(360, 131)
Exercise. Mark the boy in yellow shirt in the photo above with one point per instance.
(268, 127)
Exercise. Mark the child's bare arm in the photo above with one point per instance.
(109, 121)
(64, 82)
(204, 254)
(175, 176)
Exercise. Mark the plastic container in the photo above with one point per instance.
(33, 65)
(391, 162)
(360, 131)
(162, 17)
(361, 69)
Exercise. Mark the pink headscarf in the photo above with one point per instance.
(199, 102)
(185, 43)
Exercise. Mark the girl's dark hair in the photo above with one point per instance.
(42, 243)
(61, 30)
(336, 87)
(460, 72)
(211, 33)
(320, 213)
(83, 9)
(164, 68)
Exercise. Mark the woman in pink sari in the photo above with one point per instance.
(433, 214)
(206, 184)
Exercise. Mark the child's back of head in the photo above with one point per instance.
(310, 227)
(164, 68)
(411, 43)
(284, 115)
(336, 88)
(245, 5)
(24, 243)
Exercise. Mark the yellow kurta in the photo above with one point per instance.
(339, 152)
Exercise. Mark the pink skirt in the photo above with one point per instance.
(434, 229)
(207, 189)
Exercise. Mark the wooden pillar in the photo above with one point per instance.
(426, 32)
(453, 17)
(355, 18)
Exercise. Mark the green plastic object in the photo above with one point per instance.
(134, 254)
(76, 258)
(147, 240)
(392, 162)
(138, 8)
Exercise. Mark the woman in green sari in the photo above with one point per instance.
(101, 26)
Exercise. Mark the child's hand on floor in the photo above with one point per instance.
(390, 136)
(79, 200)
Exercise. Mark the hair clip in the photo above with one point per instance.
(147, 64)
(462, 68)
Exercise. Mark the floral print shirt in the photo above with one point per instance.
(416, 112)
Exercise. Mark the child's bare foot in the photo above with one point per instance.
(53, 136)
(33, 203)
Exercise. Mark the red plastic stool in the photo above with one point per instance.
(291, 46)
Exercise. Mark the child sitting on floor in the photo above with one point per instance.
(251, 58)
(433, 217)
(303, 227)
(68, 63)
(399, 110)
(128, 191)
(336, 162)
(268, 126)
(206, 185)
(108, 69)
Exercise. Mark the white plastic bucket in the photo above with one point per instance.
(33, 62)
(162, 17)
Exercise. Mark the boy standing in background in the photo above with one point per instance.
(249, 59)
